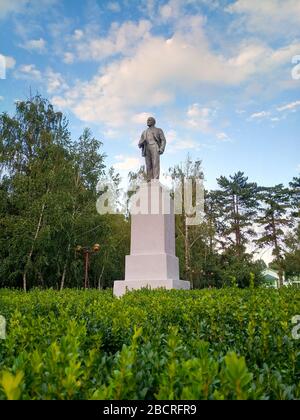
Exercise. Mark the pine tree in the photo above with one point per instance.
(274, 220)
(295, 198)
(292, 242)
(238, 199)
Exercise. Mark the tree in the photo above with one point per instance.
(295, 197)
(292, 242)
(291, 262)
(274, 220)
(48, 201)
(190, 235)
(239, 203)
(87, 168)
(29, 141)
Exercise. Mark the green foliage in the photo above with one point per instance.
(292, 254)
(11, 385)
(48, 206)
(238, 199)
(48, 203)
(210, 344)
(275, 219)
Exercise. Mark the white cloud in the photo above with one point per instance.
(78, 34)
(186, 144)
(155, 70)
(141, 118)
(275, 118)
(10, 62)
(171, 136)
(35, 45)
(1, 98)
(9, 6)
(113, 6)
(112, 134)
(200, 118)
(170, 10)
(289, 107)
(69, 58)
(55, 81)
(176, 143)
(121, 39)
(268, 16)
(195, 111)
(203, 119)
(28, 72)
(23, 6)
(223, 137)
(258, 59)
(127, 163)
(260, 115)
(183, 144)
(175, 10)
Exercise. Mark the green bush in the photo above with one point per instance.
(209, 344)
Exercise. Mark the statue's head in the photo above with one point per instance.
(151, 122)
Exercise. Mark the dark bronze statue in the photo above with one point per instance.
(153, 145)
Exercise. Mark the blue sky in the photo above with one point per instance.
(219, 76)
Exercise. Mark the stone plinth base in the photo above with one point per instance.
(121, 287)
(152, 262)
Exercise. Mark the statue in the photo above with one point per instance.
(153, 145)
(152, 262)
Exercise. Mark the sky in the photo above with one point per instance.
(221, 77)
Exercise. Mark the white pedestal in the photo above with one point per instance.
(152, 261)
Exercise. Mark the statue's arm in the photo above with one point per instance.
(162, 141)
(142, 140)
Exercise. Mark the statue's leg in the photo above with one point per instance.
(155, 162)
(148, 159)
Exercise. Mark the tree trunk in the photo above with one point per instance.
(237, 225)
(63, 277)
(187, 254)
(100, 278)
(277, 253)
(211, 236)
(280, 274)
(186, 238)
(238, 228)
(86, 269)
(39, 225)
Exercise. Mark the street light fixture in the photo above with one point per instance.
(86, 252)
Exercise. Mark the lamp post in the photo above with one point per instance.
(86, 252)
